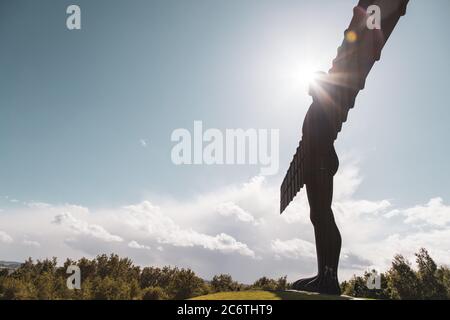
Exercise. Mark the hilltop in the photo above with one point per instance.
(9, 264)
(269, 295)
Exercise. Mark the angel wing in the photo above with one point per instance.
(337, 90)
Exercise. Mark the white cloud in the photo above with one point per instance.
(230, 209)
(293, 249)
(31, 243)
(135, 245)
(217, 231)
(81, 227)
(5, 238)
(39, 205)
(363, 206)
(347, 180)
(163, 229)
(436, 241)
(434, 213)
(143, 143)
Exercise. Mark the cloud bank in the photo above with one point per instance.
(235, 230)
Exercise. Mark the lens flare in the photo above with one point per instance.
(351, 36)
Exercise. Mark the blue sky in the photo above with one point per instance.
(74, 106)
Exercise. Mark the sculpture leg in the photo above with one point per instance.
(327, 236)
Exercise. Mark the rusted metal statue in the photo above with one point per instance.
(315, 162)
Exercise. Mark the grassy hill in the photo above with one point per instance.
(9, 265)
(269, 295)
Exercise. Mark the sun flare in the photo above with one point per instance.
(301, 75)
(306, 74)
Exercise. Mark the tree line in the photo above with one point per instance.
(425, 282)
(115, 278)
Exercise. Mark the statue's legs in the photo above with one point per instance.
(328, 239)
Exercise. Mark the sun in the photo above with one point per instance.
(295, 76)
(302, 74)
(305, 75)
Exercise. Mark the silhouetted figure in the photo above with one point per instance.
(315, 162)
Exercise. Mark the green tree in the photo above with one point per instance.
(156, 277)
(403, 282)
(224, 282)
(429, 285)
(443, 276)
(154, 293)
(185, 284)
(282, 284)
(16, 289)
(265, 283)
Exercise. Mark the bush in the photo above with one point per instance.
(15, 289)
(185, 284)
(430, 286)
(265, 283)
(224, 282)
(282, 284)
(114, 278)
(154, 293)
(401, 281)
